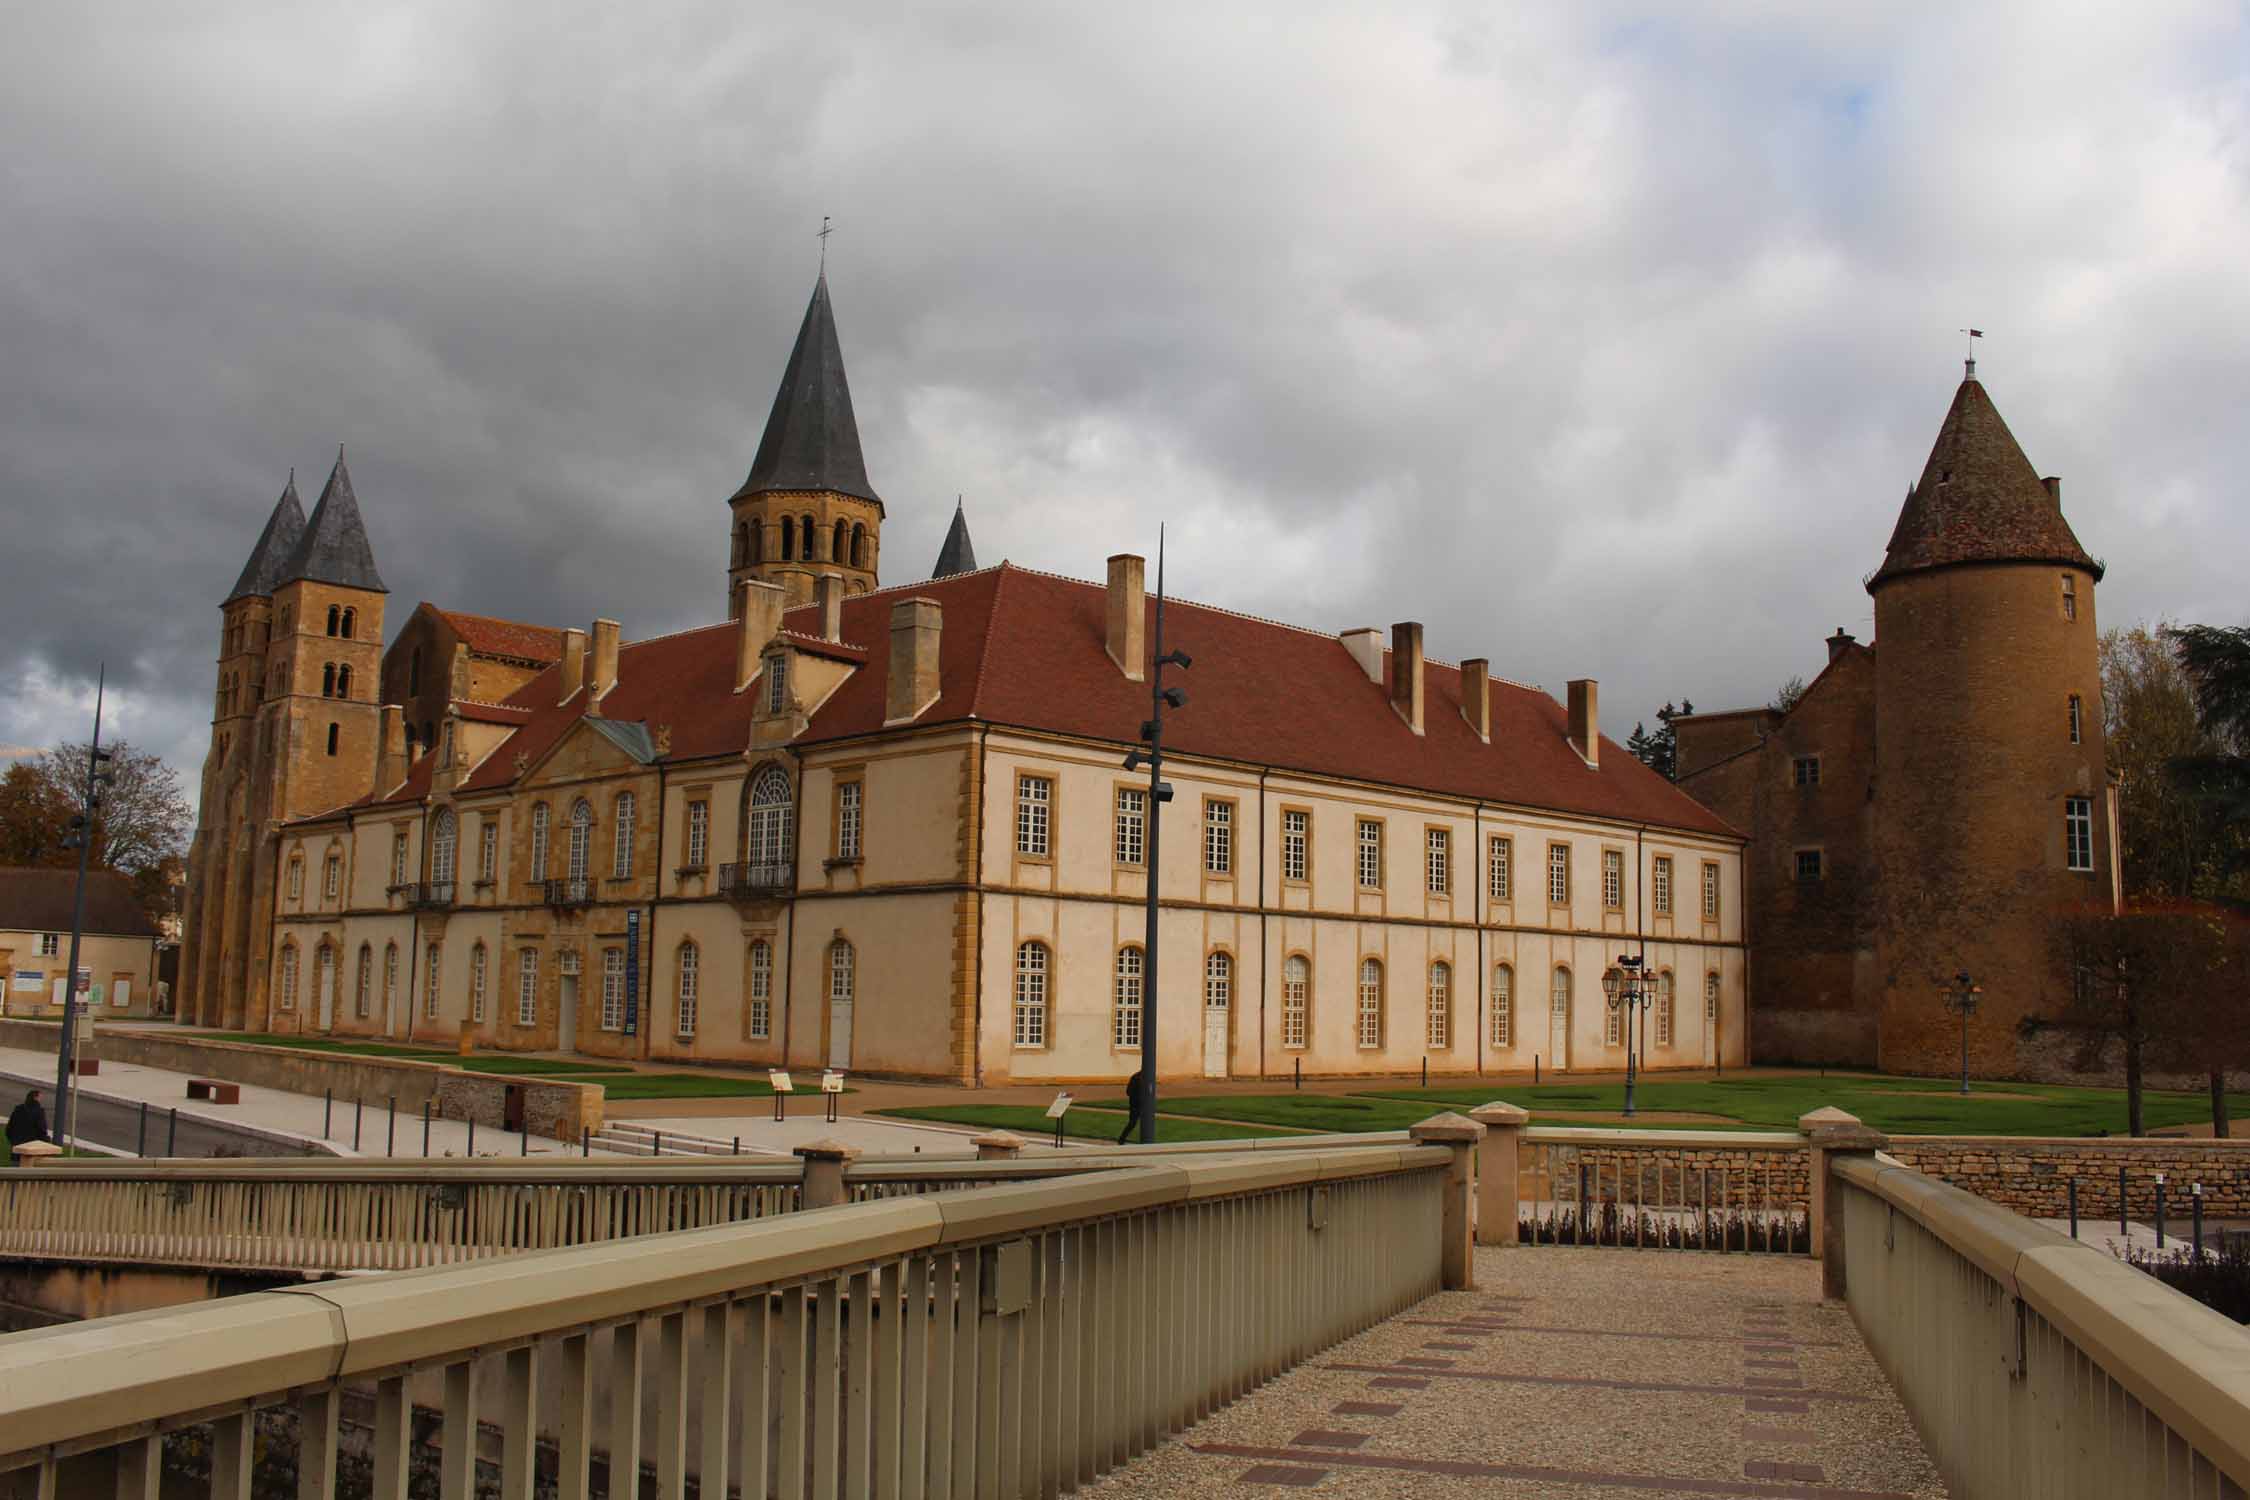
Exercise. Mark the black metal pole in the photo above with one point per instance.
(359, 1121)
(1156, 790)
(425, 1127)
(472, 1134)
(738, 1145)
(390, 1138)
(526, 1140)
(88, 807)
(2196, 1192)
(140, 1136)
(327, 1113)
(2160, 1210)
(2122, 1230)
(585, 1140)
(1964, 1051)
(2072, 1188)
(172, 1141)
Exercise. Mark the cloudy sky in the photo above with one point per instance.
(1603, 338)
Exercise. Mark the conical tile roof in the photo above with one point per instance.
(334, 548)
(275, 543)
(959, 554)
(812, 438)
(1979, 500)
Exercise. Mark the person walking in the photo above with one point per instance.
(26, 1124)
(1136, 1105)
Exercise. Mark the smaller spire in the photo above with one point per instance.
(275, 544)
(958, 555)
(334, 547)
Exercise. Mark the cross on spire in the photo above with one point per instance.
(825, 232)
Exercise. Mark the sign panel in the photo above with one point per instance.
(633, 973)
(780, 1081)
(832, 1082)
(30, 979)
(1060, 1107)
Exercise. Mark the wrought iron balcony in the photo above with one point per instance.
(759, 880)
(429, 894)
(569, 892)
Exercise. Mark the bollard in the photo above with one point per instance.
(425, 1127)
(2071, 1188)
(1499, 1195)
(172, 1141)
(359, 1119)
(585, 1140)
(2160, 1211)
(327, 1114)
(1830, 1132)
(1459, 1135)
(1535, 1070)
(390, 1137)
(472, 1134)
(656, 1147)
(738, 1145)
(1297, 1071)
(2195, 1195)
(2123, 1231)
(140, 1138)
(1425, 1072)
(824, 1172)
(998, 1145)
(1582, 1205)
(526, 1141)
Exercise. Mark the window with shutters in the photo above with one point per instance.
(1218, 837)
(1500, 867)
(332, 877)
(1035, 797)
(761, 990)
(296, 877)
(1503, 1006)
(1296, 1001)
(1125, 1000)
(1370, 855)
(1131, 845)
(689, 961)
(1031, 995)
(363, 989)
(390, 980)
(1296, 838)
(1440, 1031)
(1439, 861)
(1370, 1002)
(613, 989)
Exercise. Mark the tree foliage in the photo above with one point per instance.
(2216, 660)
(2173, 844)
(1788, 695)
(141, 820)
(34, 815)
(1660, 751)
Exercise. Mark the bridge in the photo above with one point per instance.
(1479, 1301)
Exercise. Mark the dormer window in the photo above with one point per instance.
(777, 682)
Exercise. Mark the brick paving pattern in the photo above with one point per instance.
(1586, 1374)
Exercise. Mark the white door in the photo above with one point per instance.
(1558, 1027)
(327, 988)
(566, 1014)
(120, 993)
(62, 992)
(839, 1034)
(1215, 1040)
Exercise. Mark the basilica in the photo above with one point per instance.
(887, 827)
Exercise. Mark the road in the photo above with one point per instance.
(107, 1122)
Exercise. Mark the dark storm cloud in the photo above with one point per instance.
(1602, 339)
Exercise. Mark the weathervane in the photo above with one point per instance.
(825, 232)
(1974, 334)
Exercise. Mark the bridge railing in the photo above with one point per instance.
(1015, 1339)
(1663, 1189)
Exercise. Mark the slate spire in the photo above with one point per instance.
(275, 543)
(1979, 501)
(959, 554)
(812, 439)
(334, 548)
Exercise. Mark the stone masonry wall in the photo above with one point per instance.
(2032, 1176)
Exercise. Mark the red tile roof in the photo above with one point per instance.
(492, 713)
(513, 639)
(38, 899)
(1027, 650)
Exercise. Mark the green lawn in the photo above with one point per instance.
(1321, 1112)
(686, 1086)
(1082, 1123)
(475, 1062)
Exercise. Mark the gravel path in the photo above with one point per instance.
(1574, 1373)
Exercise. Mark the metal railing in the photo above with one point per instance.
(1665, 1190)
(2033, 1364)
(758, 880)
(1015, 1340)
(568, 893)
(429, 894)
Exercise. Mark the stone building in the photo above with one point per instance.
(117, 952)
(889, 829)
(1937, 795)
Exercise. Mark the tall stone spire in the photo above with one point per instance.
(812, 439)
(275, 544)
(334, 548)
(959, 554)
(1979, 501)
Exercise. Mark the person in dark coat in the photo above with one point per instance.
(1136, 1103)
(28, 1123)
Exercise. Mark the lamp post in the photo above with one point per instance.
(1159, 792)
(1628, 986)
(1962, 1001)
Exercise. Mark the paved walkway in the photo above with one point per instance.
(1574, 1375)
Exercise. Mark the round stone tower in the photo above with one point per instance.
(1992, 803)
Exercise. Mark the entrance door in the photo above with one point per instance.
(839, 1034)
(326, 987)
(1711, 1022)
(1558, 1023)
(1215, 1036)
(566, 1014)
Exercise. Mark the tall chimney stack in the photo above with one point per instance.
(1476, 696)
(828, 594)
(1406, 672)
(1839, 643)
(759, 622)
(1128, 616)
(573, 663)
(601, 674)
(1585, 720)
(913, 685)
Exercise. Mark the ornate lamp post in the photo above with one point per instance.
(1962, 1001)
(1628, 986)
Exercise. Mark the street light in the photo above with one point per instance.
(1628, 986)
(1962, 1001)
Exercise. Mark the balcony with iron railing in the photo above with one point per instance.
(568, 893)
(429, 895)
(758, 880)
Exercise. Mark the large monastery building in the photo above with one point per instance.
(888, 827)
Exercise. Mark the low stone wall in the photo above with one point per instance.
(554, 1108)
(2032, 1176)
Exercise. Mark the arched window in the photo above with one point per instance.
(328, 680)
(539, 841)
(766, 835)
(843, 971)
(1218, 981)
(1440, 1033)
(363, 994)
(343, 682)
(840, 545)
(581, 838)
(1296, 1001)
(621, 853)
(477, 959)
(761, 989)
(335, 616)
(1370, 1002)
(390, 980)
(1031, 995)
(1125, 1019)
(444, 841)
(351, 622)
(805, 531)
(859, 545)
(689, 979)
(288, 976)
(430, 983)
(1664, 1009)
(1503, 1006)
(788, 539)
(1560, 1001)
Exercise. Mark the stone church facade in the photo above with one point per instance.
(1936, 796)
(889, 828)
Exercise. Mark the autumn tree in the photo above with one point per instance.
(2172, 844)
(34, 816)
(141, 825)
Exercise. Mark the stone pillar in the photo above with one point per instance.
(824, 1172)
(998, 1145)
(1458, 1134)
(1497, 1193)
(1830, 1132)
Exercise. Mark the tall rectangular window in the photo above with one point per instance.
(1125, 1021)
(430, 982)
(1440, 861)
(476, 982)
(2077, 721)
(1710, 891)
(1370, 855)
(777, 683)
(398, 859)
(848, 801)
(1296, 1000)
(698, 834)
(1035, 795)
(1558, 874)
(1296, 835)
(613, 989)
(1613, 879)
(690, 989)
(527, 988)
(296, 879)
(1500, 867)
(332, 877)
(1132, 825)
(2078, 832)
(761, 990)
(1370, 1002)
(2070, 596)
(1218, 837)
(1660, 884)
(488, 850)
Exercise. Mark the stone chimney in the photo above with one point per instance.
(601, 667)
(1842, 641)
(1476, 696)
(390, 749)
(759, 620)
(1585, 720)
(1128, 616)
(573, 663)
(1366, 646)
(1406, 672)
(2054, 491)
(913, 685)
(828, 596)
